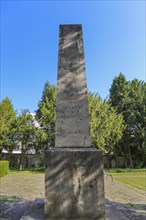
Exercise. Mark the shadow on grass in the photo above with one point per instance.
(13, 208)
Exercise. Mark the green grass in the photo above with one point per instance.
(6, 198)
(28, 171)
(132, 177)
(124, 174)
(125, 170)
(138, 182)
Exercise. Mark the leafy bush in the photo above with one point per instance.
(4, 167)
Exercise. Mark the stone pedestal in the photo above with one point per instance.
(74, 184)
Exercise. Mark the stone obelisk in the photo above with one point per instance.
(72, 121)
(74, 174)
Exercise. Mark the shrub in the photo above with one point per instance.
(4, 167)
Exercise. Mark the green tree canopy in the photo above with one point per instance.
(129, 98)
(7, 129)
(28, 135)
(106, 126)
(46, 113)
(119, 93)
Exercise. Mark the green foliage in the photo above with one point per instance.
(4, 167)
(46, 113)
(117, 125)
(28, 135)
(129, 98)
(106, 126)
(7, 128)
(119, 93)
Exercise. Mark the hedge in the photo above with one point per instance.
(4, 167)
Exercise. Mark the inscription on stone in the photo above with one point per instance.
(72, 120)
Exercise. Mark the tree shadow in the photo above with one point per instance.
(74, 181)
(13, 208)
(125, 211)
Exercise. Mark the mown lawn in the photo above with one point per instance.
(28, 171)
(138, 182)
(135, 177)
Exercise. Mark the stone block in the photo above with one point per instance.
(74, 184)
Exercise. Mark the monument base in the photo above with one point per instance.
(74, 184)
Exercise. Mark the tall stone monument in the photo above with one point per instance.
(74, 175)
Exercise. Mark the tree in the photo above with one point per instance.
(128, 98)
(39, 139)
(46, 113)
(136, 119)
(7, 128)
(106, 126)
(28, 135)
(119, 93)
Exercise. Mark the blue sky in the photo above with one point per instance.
(114, 42)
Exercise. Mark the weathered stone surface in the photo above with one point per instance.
(74, 173)
(74, 184)
(72, 120)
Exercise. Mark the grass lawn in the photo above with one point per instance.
(135, 177)
(29, 185)
(28, 171)
(138, 182)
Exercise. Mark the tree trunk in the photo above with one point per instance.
(9, 158)
(116, 158)
(109, 160)
(144, 154)
(130, 158)
(21, 160)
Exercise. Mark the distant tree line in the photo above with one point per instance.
(129, 99)
(117, 124)
(18, 131)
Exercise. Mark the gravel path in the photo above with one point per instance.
(19, 193)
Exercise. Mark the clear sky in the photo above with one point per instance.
(114, 42)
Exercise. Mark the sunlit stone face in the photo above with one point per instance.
(72, 120)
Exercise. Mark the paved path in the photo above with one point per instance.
(19, 209)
